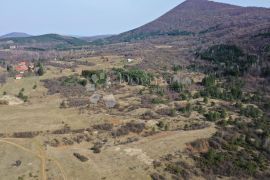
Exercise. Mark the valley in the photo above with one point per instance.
(173, 99)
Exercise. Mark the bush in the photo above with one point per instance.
(129, 127)
(22, 96)
(187, 109)
(212, 116)
(95, 76)
(180, 169)
(73, 80)
(251, 111)
(63, 104)
(177, 87)
(212, 157)
(209, 81)
(177, 68)
(223, 113)
(158, 101)
(205, 100)
(97, 147)
(134, 76)
(265, 72)
(156, 89)
(41, 70)
(80, 157)
(156, 176)
(104, 127)
(3, 102)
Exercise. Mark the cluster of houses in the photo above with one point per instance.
(23, 67)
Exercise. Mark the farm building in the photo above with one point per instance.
(21, 67)
(18, 76)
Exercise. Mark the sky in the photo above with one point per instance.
(87, 17)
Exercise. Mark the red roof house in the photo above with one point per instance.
(21, 67)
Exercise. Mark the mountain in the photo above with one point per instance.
(15, 35)
(45, 41)
(201, 17)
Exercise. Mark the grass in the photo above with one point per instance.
(103, 64)
(13, 86)
(2, 70)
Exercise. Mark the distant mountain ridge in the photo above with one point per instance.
(15, 35)
(56, 40)
(94, 38)
(46, 41)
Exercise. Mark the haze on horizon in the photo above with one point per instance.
(87, 18)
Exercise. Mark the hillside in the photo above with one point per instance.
(14, 35)
(203, 17)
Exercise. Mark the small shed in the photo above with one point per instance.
(18, 76)
(130, 60)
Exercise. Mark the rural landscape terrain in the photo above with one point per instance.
(186, 96)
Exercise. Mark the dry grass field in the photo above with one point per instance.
(42, 113)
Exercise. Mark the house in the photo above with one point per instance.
(18, 76)
(12, 47)
(21, 67)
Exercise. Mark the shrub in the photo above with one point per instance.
(205, 100)
(187, 109)
(41, 70)
(3, 102)
(223, 113)
(156, 89)
(161, 124)
(80, 157)
(158, 101)
(22, 96)
(63, 104)
(180, 169)
(209, 81)
(212, 157)
(212, 116)
(97, 147)
(265, 71)
(95, 76)
(104, 127)
(73, 80)
(134, 76)
(183, 96)
(25, 134)
(177, 68)
(129, 127)
(176, 86)
(251, 111)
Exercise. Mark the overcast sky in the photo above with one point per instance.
(87, 17)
